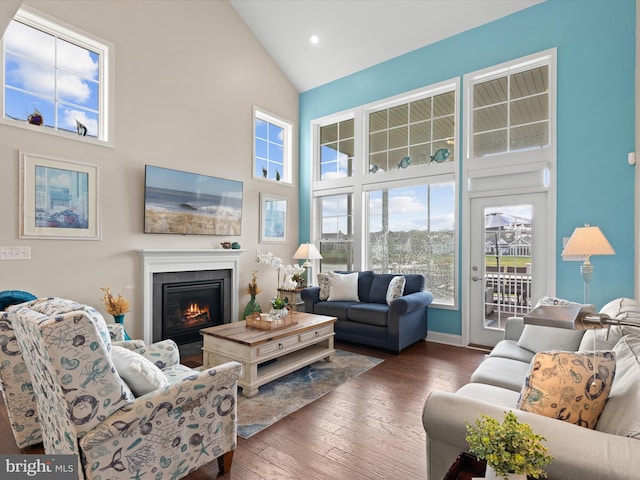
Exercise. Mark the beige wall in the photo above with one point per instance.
(187, 76)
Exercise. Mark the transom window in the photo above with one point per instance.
(336, 150)
(511, 112)
(414, 133)
(272, 147)
(54, 77)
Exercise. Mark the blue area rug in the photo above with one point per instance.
(281, 397)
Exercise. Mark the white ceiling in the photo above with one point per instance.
(356, 34)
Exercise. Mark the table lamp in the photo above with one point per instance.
(586, 241)
(307, 251)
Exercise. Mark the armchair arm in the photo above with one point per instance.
(579, 453)
(129, 344)
(196, 393)
(410, 303)
(163, 354)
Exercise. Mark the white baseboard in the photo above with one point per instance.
(446, 338)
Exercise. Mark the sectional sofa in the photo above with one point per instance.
(611, 450)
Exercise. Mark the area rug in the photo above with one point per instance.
(281, 397)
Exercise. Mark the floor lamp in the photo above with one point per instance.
(584, 242)
(307, 251)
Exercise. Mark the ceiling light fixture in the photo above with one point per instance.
(314, 39)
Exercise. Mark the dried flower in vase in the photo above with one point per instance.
(114, 305)
(253, 288)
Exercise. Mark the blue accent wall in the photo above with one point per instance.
(595, 43)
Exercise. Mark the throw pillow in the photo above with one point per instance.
(323, 282)
(621, 415)
(396, 288)
(139, 373)
(569, 386)
(343, 287)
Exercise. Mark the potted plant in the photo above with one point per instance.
(279, 307)
(509, 448)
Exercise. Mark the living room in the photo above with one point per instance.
(187, 76)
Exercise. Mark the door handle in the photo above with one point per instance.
(475, 279)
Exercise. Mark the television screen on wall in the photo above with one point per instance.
(190, 203)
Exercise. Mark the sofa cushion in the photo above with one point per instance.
(510, 349)
(564, 385)
(621, 415)
(490, 394)
(140, 374)
(14, 297)
(501, 372)
(537, 338)
(333, 309)
(343, 287)
(369, 313)
(379, 287)
(395, 289)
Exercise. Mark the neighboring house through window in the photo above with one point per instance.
(55, 78)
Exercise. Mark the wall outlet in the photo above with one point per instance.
(15, 253)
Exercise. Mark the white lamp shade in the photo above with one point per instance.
(587, 241)
(307, 251)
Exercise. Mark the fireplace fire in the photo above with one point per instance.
(186, 302)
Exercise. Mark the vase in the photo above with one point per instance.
(491, 474)
(251, 308)
(120, 319)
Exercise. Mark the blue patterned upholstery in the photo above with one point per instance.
(86, 408)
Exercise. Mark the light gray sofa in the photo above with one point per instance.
(610, 451)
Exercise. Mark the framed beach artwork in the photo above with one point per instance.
(58, 198)
(273, 218)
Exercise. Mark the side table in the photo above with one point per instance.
(466, 467)
(295, 301)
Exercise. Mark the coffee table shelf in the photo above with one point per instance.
(268, 355)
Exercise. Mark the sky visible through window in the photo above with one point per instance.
(52, 77)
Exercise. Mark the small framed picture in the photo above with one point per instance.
(273, 218)
(58, 198)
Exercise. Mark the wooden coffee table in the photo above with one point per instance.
(266, 355)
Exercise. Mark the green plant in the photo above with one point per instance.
(279, 303)
(508, 447)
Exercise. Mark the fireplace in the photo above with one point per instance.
(185, 302)
(210, 275)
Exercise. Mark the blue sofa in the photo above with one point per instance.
(370, 321)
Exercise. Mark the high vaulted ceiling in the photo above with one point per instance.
(356, 34)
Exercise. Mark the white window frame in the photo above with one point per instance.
(362, 181)
(106, 53)
(287, 154)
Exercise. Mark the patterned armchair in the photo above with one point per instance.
(88, 410)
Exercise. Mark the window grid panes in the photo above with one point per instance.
(412, 230)
(337, 150)
(511, 113)
(336, 236)
(52, 81)
(272, 148)
(414, 133)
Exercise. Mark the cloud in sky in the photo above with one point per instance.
(68, 121)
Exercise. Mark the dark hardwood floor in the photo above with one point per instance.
(368, 428)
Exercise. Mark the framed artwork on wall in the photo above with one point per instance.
(273, 218)
(58, 198)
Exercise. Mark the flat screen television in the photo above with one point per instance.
(190, 203)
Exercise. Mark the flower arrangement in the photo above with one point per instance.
(253, 288)
(114, 305)
(508, 447)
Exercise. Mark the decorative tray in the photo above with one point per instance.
(268, 321)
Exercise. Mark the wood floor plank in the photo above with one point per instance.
(368, 428)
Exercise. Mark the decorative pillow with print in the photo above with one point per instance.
(323, 282)
(569, 386)
(396, 288)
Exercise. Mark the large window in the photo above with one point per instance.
(385, 188)
(54, 77)
(336, 234)
(412, 230)
(272, 147)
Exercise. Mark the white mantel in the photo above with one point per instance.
(174, 260)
